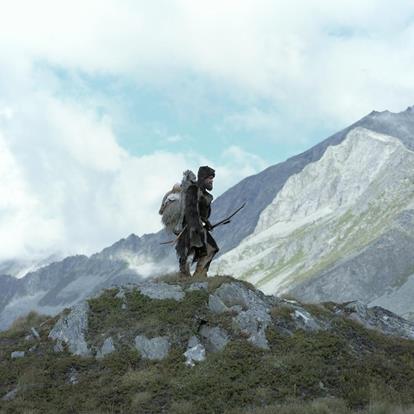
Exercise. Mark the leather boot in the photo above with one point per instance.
(201, 268)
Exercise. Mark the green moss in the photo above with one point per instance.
(151, 317)
(281, 312)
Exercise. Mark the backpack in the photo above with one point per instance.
(173, 204)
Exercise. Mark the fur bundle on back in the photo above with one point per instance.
(173, 204)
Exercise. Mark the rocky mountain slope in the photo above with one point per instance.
(207, 346)
(332, 223)
(341, 229)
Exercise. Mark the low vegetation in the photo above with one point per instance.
(345, 370)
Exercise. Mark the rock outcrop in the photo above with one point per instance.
(156, 316)
(206, 347)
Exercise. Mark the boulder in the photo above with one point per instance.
(254, 326)
(72, 376)
(304, 320)
(107, 348)
(161, 290)
(216, 305)
(216, 338)
(197, 286)
(195, 352)
(11, 395)
(35, 333)
(156, 348)
(71, 329)
(17, 354)
(251, 307)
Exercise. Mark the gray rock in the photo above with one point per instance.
(216, 338)
(107, 348)
(235, 293)
(11, 395)
(58, 347)
(304, 320)
(197, 286)
(121, 293)
(253, 311)
(17, 354)
(236, 308)
(71, 329)
(161, 290)
(72, 377)
(35, 333)
(156, 348)
(216, 305)
(195, 352)
(379, 319)
(357, 307)
(255, 326)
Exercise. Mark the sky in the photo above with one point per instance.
(103, 104)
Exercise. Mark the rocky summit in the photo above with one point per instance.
(216, 345)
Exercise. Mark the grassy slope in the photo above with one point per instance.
(338, 371)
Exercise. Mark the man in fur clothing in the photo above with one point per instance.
(196, 239)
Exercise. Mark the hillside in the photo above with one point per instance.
(208, 346)
(342, 229)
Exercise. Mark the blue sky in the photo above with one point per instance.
(201, 115)
(103, 104)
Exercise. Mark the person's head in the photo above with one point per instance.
(205, 177)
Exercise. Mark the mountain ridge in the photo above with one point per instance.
(136, 257)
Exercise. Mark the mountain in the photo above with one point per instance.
(341, 228)
(19, 268)
(216, 345)
(332, 223)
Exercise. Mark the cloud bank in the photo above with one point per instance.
(66, 183)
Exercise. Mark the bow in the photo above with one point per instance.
(221, 222)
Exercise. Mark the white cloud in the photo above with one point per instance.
(66, 184)
(236, 164)
(255, 119)
(337, 59)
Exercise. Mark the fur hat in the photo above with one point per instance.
(204, 172)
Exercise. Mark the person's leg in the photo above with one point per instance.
(181, 249)
(184, 267)
(203, 262)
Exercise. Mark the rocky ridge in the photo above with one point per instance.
(247, 312)
(201, 346)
